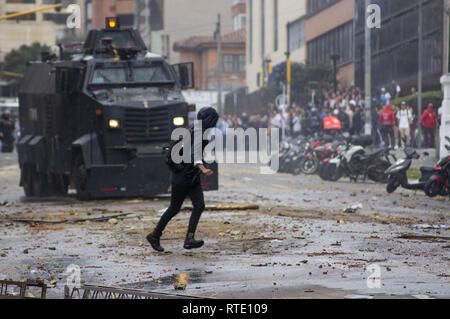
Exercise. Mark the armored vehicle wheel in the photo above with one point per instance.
(59, 185)
(39, 183)
(81, 179)
(27, 180)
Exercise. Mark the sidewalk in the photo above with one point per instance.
(424, 160)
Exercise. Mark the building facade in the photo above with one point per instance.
(330, 31)
(181, 19)
(269, 22)
(395, 46)
(45, 27)
(202, 51)
(124, 9)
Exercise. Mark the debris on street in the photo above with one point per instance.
(353, 209)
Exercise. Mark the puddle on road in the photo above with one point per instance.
(183, 278)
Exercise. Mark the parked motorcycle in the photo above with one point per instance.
(290, 150)
(438, 183)
(397, 173)
(309, 163)
(353, 161)
(313, 160)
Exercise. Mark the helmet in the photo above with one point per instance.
(209, 117)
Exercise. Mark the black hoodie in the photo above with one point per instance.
(190, 174)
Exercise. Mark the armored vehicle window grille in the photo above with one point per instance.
(147, 125)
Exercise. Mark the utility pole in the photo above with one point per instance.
(137, 15)
(335, 58)
(368, 72)
(288, 66)
(147, 24)
(419, 75)
(218, 37)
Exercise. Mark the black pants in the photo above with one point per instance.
(388, 132)
(7, 145)
(179, 194)
(428, 134)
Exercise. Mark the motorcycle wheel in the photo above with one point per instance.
(392, 185)
(322, 171)
(433, 188)
(331, 173)
(376, 172)
(309, 166)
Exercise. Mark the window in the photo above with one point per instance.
(126, 20)
(122, 40)
(296, 34)
(116, 75)
(150, 74)
(157, 15)
(28, 17)
(22, 1)
(233, 63)
(315, 6)
(338, 41)
(240, 21)
(58, 18)
(143, 74)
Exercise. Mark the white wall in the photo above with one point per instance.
(445, 119)
(288, 11)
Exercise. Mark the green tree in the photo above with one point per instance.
(301, 75)
(15, 61)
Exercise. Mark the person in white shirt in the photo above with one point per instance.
(385, 97)
(280, 121)
(404, 118)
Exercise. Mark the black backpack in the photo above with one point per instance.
(176, 167)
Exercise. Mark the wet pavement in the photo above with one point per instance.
(299, 243)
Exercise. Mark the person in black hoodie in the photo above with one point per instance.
(7, 133)
(186, 182)
(345, 120)
(358, 121)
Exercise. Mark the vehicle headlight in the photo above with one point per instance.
(178, 121)
(113, 123)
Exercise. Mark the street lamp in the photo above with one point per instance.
(335, 58)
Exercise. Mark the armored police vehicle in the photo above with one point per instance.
(100, 119)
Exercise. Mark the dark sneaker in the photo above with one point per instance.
(154, 242)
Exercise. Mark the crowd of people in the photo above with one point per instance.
(392, 126)
(297, 120)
